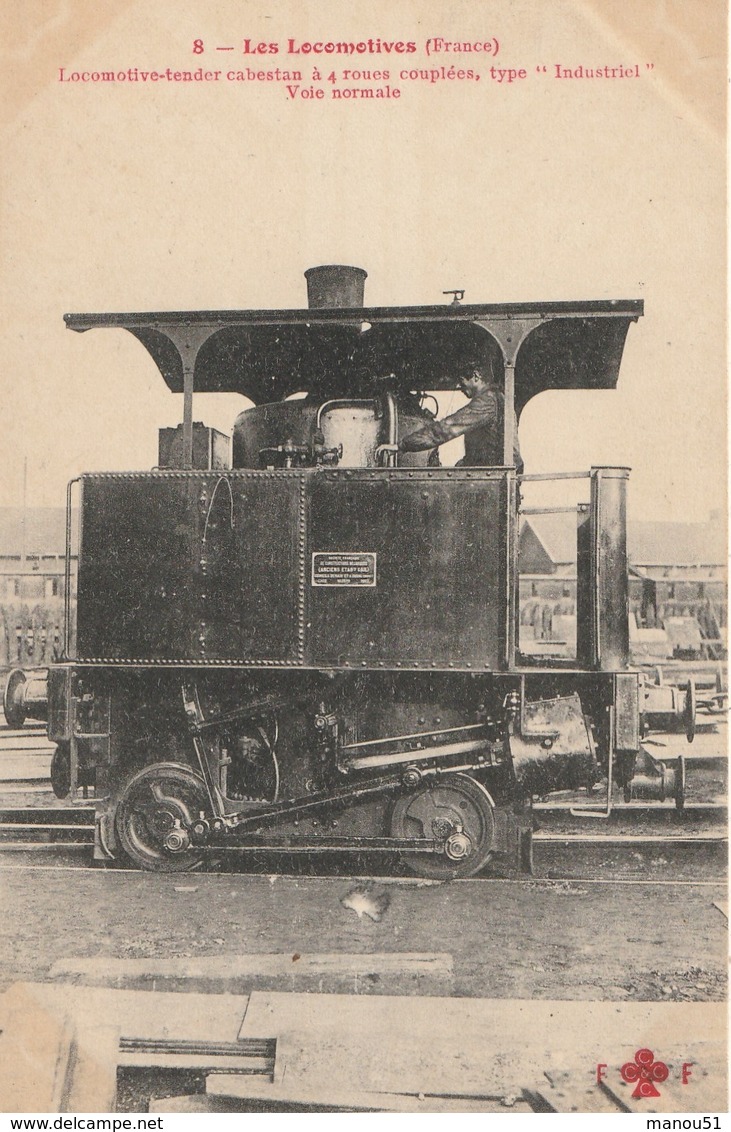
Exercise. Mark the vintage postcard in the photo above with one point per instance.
(363, 608)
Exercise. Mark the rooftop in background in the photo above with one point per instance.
(679, 544)
(45, 531)
(648, 543)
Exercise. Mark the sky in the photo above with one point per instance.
(172, 196)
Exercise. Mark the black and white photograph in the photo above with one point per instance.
(363, 561)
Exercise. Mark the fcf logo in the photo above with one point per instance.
(645, 1073)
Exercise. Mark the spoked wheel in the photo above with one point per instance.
(457, 810)
(61, 772)
(156, 808)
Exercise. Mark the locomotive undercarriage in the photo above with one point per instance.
(439, 768)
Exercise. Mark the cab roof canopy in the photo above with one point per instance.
(267, 355)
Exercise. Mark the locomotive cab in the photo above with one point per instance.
(314, 648)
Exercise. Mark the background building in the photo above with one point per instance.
(32, 583)
(678, 580)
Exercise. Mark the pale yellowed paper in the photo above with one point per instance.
(537, 178)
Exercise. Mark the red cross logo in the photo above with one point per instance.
(645, 1071)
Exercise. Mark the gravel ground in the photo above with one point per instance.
(508, 938)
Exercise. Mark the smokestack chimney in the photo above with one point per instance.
(334, 285)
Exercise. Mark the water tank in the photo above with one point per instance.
(358, 425)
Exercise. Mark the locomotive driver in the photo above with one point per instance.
(479, 421)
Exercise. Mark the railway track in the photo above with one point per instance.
(60, 822)
(63, 839)
(30, 823)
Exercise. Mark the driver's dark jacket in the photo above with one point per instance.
(480, 422)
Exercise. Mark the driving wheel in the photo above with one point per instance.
(158, 806)
(458, 811)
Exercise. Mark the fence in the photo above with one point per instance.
(30, 635)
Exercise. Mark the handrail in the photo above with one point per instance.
(534, 476)
(351, 402)
(550, 510)
(67, 572)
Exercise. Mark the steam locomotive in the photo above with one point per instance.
(311, 646)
